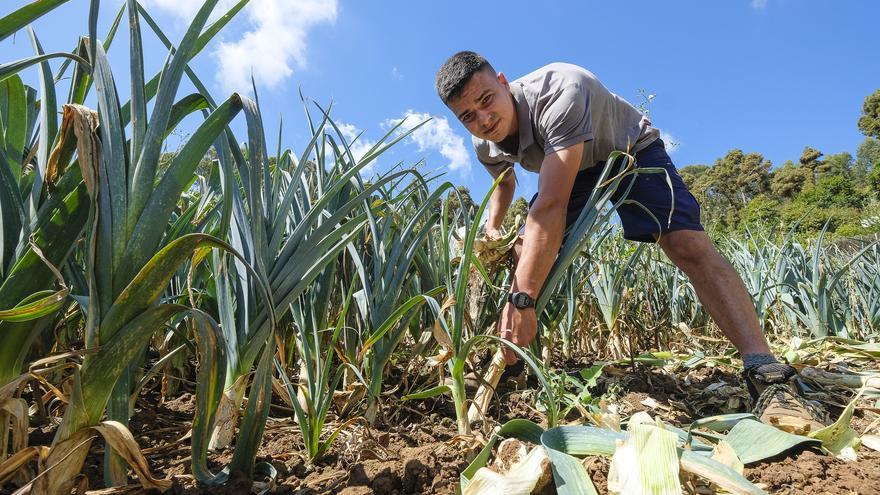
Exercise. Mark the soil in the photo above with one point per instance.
(413, 455)
(415, 449)
(811, 472)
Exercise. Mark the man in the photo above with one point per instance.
(561, 122)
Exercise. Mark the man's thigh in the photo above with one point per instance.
(664, 203)
(667, 209)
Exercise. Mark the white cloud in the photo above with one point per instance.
(358, 144)
(672, 142)
(436, 135)
(759, 4)
(396, 74)
(276, 42)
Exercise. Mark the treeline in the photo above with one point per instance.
(742, 190)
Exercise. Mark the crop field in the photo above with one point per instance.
(240, 317)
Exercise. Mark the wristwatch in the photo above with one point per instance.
(521, 300)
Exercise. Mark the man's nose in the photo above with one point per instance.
(485, 119)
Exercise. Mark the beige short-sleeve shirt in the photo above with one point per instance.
(560, 105)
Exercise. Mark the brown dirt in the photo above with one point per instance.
(813, 473)
(804, 473)
(597, 468)
(412, 456)
(412, 449)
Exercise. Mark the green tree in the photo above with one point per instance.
(789, 180)
(726, 187)
(738, 177)
(869, 122)
(714, 207)
(867, 157)
(811, 160)
(519, 207)
(873, 181)
(763, 210)
(458, 200)
(839, 164)
(831, 191)
(811, 220)
(692, 176)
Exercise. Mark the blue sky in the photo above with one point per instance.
(770, 76)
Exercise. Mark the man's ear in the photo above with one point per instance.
(503, 80)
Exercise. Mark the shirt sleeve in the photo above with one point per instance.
(493, 165)
(565, 119)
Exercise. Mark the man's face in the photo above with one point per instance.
(485, 107)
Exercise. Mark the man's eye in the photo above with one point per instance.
(467, 118)
(487, 99)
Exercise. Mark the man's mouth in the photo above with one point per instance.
(491, 130)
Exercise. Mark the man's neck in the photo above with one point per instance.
(510, 144)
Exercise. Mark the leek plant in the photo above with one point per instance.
(764, 270)
(664, 298)
(127, 207)
(43, 200)
(397, 232)
(753, 264)
(452, 335)
(817, 297)
(304, 210)
(559, 316)
(319, 379)
(609, 285)
(292, 221)
(866, 290)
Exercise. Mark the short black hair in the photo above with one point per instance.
(457, 71)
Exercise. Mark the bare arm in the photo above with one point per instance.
(546, 221)
(544, 227)
(499, 202)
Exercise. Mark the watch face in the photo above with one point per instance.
(522, 300)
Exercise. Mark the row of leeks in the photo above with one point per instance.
(103, 180)
(635, 294)
(114, 192)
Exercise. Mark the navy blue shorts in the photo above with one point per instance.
(649, 189)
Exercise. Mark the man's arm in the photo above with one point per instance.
(546, 221)
(499, 202)
(544, 228)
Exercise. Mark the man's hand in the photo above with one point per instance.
(493, 234)
(518, 326)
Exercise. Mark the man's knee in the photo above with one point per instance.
(688, 248)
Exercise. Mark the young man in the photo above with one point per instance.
(561, 122)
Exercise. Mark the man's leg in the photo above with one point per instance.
(517, 250)
(719, 287)
(723, 294)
